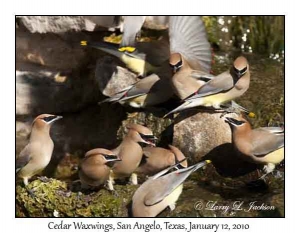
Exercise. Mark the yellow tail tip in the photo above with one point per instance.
(251, 114)
(83, 43)
(128, 49)
(208, 161)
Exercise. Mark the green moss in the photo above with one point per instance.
(54, 196)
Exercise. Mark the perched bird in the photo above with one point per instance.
(262, 145)
(37, 153)
(190, 57)
(95, 168)
(156, 159)
(130, 152)
(149, 91)
(161, 190)
(221, 89)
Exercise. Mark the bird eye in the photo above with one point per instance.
(49, 118)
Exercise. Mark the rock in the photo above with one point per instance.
(55, 24)
(63, 201)
(112, 78)
(200, 134)
(61, 52)
(41, 90)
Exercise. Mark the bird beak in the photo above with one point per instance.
(229, 120)
(245, 110)
(54, 119)
(57, 118)
(149, 139)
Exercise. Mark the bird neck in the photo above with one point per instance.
(39, 132)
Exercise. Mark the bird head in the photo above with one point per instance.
(141, 134)
(175, 62)
(45, 120)
(236, 122)
(240, 66)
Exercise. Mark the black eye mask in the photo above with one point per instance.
(241, 72)
(49, 118)
(110, 157)
(150, 138)
(177, 66)
(234, 121)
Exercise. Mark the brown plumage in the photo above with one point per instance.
(95, 167)
(130, 152)
(262, 145)
(157, 159)
(37, 153)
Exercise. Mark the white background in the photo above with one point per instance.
(290, 8)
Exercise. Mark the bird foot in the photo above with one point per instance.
(30, 192)
(44, 179)
(172, 206)
(114, 193)
(133, 179)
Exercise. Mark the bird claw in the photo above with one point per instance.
(44, 179)
(30, 192)
(114, 193)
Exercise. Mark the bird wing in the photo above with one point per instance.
(23, 158)
(167, 184)
(275, 130)
(141, 87)
(132, 25)
(188, 37)
(202, 76)
(266, 140)
(220, 83)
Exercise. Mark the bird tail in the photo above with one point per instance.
(183, 106)
(109, 48)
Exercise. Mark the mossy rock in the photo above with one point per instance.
(54, 198)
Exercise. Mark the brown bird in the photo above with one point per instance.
(37, 153)
(157, 159)
(221, 89)
(190, 57)
(262, 145)
(161, 190)
(130, 152)
(95, 168)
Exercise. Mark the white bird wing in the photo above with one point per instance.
(188, 37)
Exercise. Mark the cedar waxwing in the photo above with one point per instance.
(37, 153)
(161, 190)
(149, 91)
(95, 168)
(190, 57)
(130, 152)
(145, 60)
(221, 89)
(262, 145)
(157, 159)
